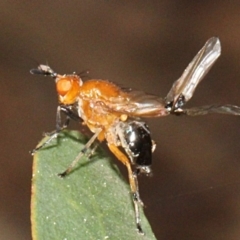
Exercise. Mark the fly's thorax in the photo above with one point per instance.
(68, 88)
(96, 113)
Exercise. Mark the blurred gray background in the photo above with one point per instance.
(194, 192)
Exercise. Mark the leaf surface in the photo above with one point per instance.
(92, 202)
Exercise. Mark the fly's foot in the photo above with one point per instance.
(63, 174)
(32, 152)
(139, 229)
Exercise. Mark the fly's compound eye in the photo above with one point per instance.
(139, 145)
(68, 88)
(63, 85)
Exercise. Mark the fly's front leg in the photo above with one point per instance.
(54, 134)
(133, 184)
(70, 114)
(83, 152)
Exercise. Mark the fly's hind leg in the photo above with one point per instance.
(83, 152)
(133, 184)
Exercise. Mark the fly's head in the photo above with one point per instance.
(68, 86)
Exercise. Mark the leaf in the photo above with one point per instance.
(92, 202)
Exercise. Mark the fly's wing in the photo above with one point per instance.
(203, 110)
(137, 104)
(184, 87)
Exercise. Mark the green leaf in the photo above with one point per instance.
(92, 202)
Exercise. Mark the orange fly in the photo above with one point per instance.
(113, 113)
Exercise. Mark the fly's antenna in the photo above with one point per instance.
(83, 74)
(44, 70)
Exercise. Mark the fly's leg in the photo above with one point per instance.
(91, 151)
(82, 153)
(135, 175)
(55, 133)
(69, 115)
(133, 184)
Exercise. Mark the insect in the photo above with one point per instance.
(114, 114)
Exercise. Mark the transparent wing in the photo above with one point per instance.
(137, 104)
(203, 110)
(185, 86)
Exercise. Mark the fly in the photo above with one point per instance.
(114, 114)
